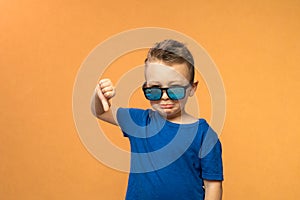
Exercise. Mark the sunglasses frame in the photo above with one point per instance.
(166, 90)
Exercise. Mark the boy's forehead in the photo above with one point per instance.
(160, 72)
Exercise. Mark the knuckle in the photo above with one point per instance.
(107, 94)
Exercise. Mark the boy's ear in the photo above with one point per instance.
(194, 88)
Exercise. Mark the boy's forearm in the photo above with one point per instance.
(213, 190)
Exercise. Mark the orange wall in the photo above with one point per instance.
(255, 45)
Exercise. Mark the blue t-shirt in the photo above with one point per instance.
(169, 160)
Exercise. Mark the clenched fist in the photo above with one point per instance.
(105, 91)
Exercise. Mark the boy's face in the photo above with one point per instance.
(160, 75)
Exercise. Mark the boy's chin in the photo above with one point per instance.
(167, 113)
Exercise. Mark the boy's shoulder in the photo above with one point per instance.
(137, 115)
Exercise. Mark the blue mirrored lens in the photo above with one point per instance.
(153, 93)
(176, 93)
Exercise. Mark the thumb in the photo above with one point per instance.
(103, 99)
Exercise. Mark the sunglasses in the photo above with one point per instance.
(155, 93)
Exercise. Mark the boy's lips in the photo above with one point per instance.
(166, 106)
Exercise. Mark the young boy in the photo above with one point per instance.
(173, 154)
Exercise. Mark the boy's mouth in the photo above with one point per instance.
(166, 106)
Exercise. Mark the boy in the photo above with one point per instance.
(168, 158)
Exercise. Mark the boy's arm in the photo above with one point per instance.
(213, 190)
(100, 105)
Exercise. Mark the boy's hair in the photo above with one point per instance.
(172, 52)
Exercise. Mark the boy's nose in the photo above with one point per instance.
(164, 95)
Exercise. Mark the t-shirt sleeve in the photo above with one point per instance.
(131, 120)
(211, 156)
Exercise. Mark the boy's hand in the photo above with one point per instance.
(105, 92)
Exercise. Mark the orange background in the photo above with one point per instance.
(255, 45)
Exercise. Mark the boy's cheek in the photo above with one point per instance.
(154, 104)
